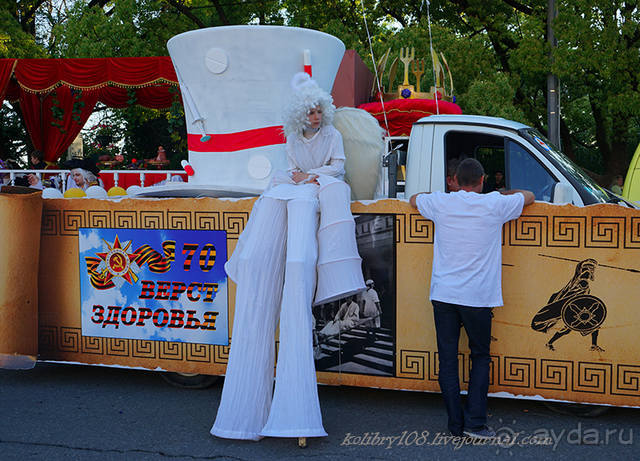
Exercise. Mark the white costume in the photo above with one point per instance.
(346, 317)
(274, 266)
(370, 298)
(90, 179)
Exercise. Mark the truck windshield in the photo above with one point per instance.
(573, 171)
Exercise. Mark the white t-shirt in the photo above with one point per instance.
(467, 252)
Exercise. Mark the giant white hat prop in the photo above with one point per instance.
(235, 82)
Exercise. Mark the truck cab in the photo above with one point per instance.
(524, 156)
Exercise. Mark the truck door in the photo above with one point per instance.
(507, 162)
(524, 171)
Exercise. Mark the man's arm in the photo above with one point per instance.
(529, 197)
(413, 198)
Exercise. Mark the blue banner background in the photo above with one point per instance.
(92, 241)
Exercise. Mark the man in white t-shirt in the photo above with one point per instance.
(466, 284)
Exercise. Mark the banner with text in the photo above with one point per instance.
(162, 285)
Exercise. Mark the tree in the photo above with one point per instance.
(597, 58)
(127, 28)
(143, 27)
(17, 40)
(496, 50)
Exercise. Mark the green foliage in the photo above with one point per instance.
(14, 140)
(143, 27)
(492, 97)
(597, 58)
(136, 132)
(122, 28)
(578, 110)
(57, 114)
(101, 139)
(468, 60)
(15, 41)
(496, 50)
(146, 129)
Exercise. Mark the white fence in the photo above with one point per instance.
(8, 177)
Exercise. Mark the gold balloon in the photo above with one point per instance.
(74, 192)
(116, 191)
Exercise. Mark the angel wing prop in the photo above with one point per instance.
(363, 147)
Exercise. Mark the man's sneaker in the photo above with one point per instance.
(482, 433)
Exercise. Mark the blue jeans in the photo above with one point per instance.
(477, 323)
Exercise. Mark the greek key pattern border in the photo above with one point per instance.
(54, 340)
(519, 372)
(67, 222)
(542, 231)
(532, 373)
(528, 230)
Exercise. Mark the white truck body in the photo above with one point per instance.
(525, 157)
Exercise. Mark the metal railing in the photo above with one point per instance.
(64, 174)
(390, 185)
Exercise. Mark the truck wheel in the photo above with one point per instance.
(190, 380)
(577, 409)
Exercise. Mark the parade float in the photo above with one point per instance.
(139, 281)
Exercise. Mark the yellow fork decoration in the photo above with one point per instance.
(406, 57)
(417, 69)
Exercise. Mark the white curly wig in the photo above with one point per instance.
(305, 96)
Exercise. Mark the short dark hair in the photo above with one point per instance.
(469, 172)
(37, 154)
(452, 166)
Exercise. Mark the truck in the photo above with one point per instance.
(525, 157)
(138, 282)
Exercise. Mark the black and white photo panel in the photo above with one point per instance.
(357, 334)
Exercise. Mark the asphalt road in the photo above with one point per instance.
(67, 412)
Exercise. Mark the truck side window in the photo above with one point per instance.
(487, 149)
(525, 172)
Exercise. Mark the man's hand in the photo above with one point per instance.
(32, 178)
(413, 198)
(529, 197)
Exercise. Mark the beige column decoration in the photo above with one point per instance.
(21, 217)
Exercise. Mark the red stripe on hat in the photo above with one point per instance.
(231, 142)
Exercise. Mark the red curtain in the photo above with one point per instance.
(6, 69)
(53, 120)
(45, 74)
(153, 97)
(57, 96)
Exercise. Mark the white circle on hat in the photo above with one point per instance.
(259, 167)
(216, 60)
